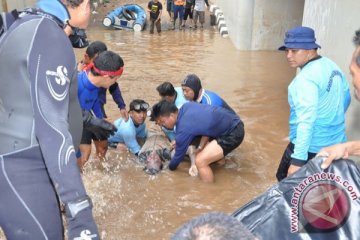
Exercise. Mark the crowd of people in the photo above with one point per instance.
(41, 144)
(178, 9)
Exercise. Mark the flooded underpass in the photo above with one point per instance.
(129, 204)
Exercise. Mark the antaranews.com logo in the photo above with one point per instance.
(321, 203)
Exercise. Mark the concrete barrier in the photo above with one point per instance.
(220, 20)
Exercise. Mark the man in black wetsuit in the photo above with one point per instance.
(37, 158)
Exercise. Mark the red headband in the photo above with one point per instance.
(109, 73)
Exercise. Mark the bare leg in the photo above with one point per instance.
(191, 152)
(211, 153)
(101, 148)
(85, 150)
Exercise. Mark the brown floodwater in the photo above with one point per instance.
(128, 204)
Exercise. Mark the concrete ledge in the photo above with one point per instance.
(220, 20)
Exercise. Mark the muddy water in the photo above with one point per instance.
(132, 205)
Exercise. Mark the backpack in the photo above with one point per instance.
(7, 19)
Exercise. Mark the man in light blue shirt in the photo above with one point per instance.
(130, 131)
(174, 95)
(318, 97)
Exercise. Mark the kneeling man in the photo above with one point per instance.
(225, 129)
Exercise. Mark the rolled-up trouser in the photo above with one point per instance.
(29, 208)
(178, 10)
(286, 161)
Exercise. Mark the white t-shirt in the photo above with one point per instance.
(199, 5)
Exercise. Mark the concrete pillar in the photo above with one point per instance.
(260, 24)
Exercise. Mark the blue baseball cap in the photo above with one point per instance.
(300, 38)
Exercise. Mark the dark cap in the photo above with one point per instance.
(139, 105)
(300, 38)
(192, 81)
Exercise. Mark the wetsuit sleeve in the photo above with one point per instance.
(51, 65)
(183, 141)
(306, 103)
(117, 96)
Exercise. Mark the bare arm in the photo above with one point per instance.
(335, 152)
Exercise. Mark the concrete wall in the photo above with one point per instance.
(260, 24)
(335, 25)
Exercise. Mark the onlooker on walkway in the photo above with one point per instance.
(189, 8)
(199, 12)
(352, 148)
(178, 12)
(318, 97)
(155, 10)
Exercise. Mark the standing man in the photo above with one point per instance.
(178, 12)
(192, 120)
(318, 97)
(103, 72)
(37, 156)
(352, 148)
(155, 10)
(199, 12)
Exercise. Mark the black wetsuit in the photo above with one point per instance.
(37, 157)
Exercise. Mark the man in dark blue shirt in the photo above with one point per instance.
(224, 127)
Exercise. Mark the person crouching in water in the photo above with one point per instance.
(223, 126)
(130, 132)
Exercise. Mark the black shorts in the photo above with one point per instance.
(286, 161)
(87, 136)
(187, 13)
(232, 140)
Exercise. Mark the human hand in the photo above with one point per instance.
(332, 153)
(292, 169)
(173, 144)
(124, 114)
(193, 171)
(81, 224)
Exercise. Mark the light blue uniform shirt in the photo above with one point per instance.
(318, 97)
(127, 133)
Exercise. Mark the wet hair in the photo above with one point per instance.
(356, 41)
(107, 61)
(94, 48)
(213, 225)
(166, 89)
(162, 108)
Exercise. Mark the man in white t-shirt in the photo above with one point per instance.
(199, 12)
